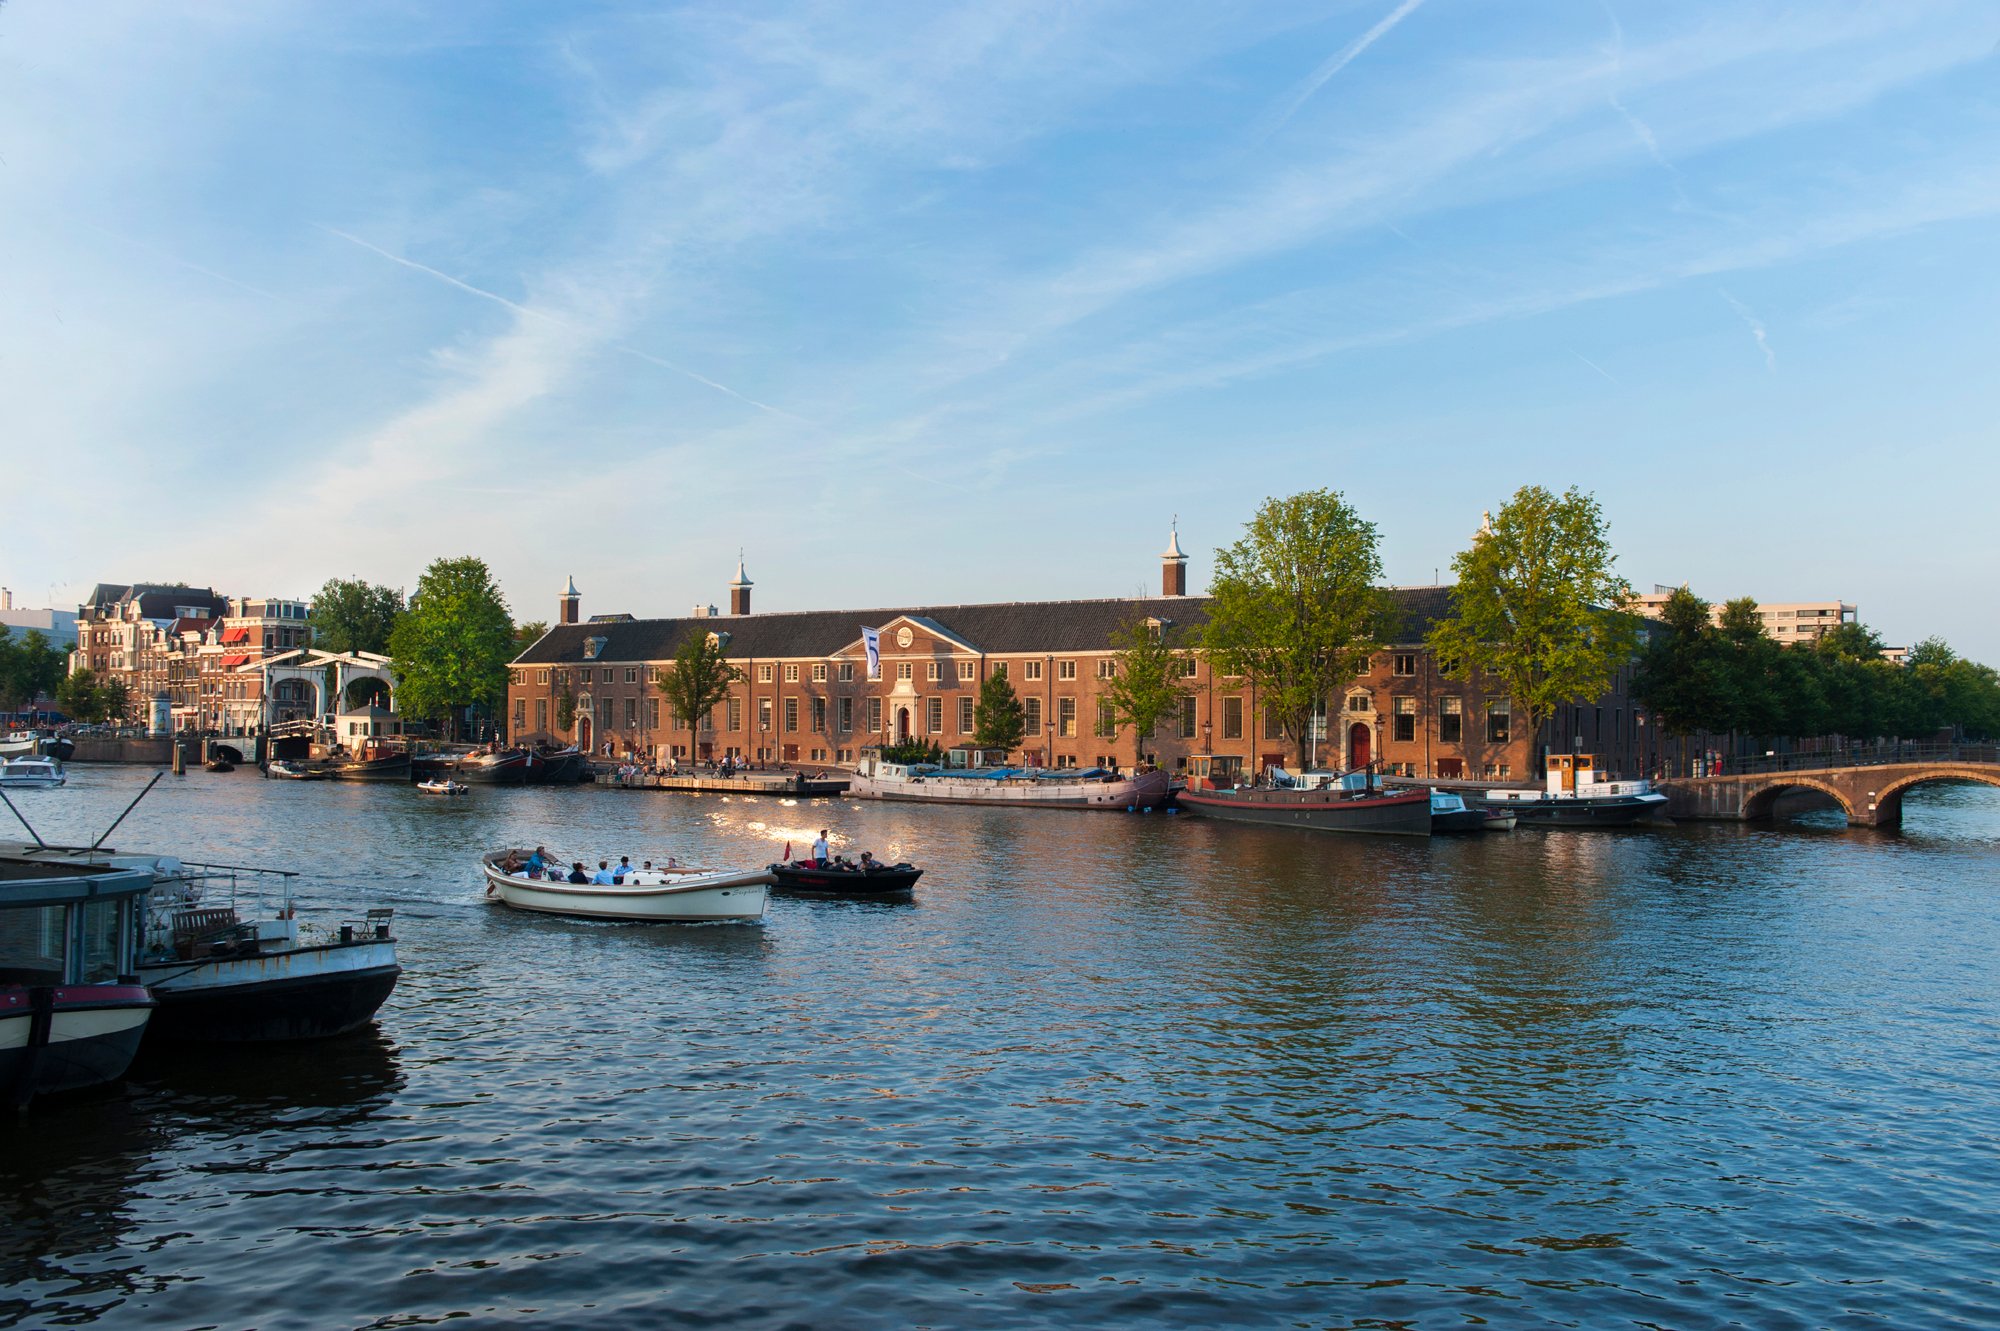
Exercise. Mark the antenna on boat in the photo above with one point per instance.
(128, 808)
(24, 822)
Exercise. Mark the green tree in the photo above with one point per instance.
(114, 699)
(81, 697)
(997, 720)
(1294, 607)
(1148, 686)
(1750, 671)
(565, 707)
(349, 615)
(452, 646)
(1538, 607)
(1681, 676)
(698, 680)
(528, 634)
(29, 667)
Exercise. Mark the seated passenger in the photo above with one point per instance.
(624, 869)
(603, 878)
(537, 862)
(868, 862)
(576, 873)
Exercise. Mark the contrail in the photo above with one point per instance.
(1595, 366)
(1756, 327)
(546, 317)
(1347, 56)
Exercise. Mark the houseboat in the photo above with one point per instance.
(72, 1011)
(1323, 801)
(982, 776)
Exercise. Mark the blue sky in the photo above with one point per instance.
(930, 303)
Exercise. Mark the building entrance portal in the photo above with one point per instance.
(1359, 746)
(902, 725)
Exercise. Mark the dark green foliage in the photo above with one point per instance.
(699, 679)
(452, 646)
(913, 751)
(349, 615)
(81, 696)
(997, 721)
(29, 666)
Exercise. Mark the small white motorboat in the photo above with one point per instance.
(442, 786)
(676, 895)
(31, 773)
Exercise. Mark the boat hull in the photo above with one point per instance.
(395, 768)
(1142, 792)
(1614, 811)
(1458, 820)
(1392, 815)
(68, 1038)
(305, 993)
(723, 896)
(885, 882)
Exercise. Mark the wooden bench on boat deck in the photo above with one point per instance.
(197, 931)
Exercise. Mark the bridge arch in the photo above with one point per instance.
(1761, 802)
(1889, 799)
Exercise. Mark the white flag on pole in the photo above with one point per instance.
(872, 640)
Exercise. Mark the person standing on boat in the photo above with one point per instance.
(820, 849)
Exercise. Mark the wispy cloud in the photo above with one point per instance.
(1757, 330)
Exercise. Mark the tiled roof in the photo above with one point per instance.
(1006, 628)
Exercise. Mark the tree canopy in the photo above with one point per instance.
(1148, 686)
(349, 615)
(699, 679)
(81, 696)
(1294, 607)
(29, 666)
(997, 720)
(1538, 607)
(452, 646)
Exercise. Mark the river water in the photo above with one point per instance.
(1105, 1070)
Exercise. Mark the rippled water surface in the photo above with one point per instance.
(1105, 1070)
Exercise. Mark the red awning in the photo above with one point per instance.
(236, 634)
(235, 659)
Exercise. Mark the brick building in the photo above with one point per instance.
(205, 652)
(805, 695)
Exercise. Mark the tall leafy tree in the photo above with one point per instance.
(1681, 677)
(997, 720)
(1752, 671)
(81, 697)
(452, 646)
(349, 615)
(1293, 606)
(29, 667)
(698, 680)
(1148, 686)
(1538, 605)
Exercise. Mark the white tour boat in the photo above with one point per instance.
(31, 773)
(981, 777)
(442, 786)
(1579, 795)
(676, 895)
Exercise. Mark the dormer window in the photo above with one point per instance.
(592, 646)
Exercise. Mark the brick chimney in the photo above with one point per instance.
(571, 600)
(739, 590)
(1173, 565)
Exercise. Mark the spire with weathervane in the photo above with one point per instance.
(739, 589)
(1173, 563)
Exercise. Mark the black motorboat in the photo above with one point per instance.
(847, 880)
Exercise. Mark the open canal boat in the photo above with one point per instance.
(844, 879)
(663, 896)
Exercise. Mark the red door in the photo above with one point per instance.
(1358, 745)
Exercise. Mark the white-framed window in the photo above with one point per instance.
(1451, 720)
(763, 714)
(791, 674)
(1403, 663)
(631, 674)
(905, 669)
(1189, 666)
(1499, 722)
(1359, 702)
(1065, 670)
(791, 716)
(1066, 717)
(965, 708)
(1107, 721)
(843, 711)
(733, 713)
(1232, 718)
(1403, 722)
(819, 672)
(764, 674)
(934, 671)
(1187, 716)
(847, 672)
(541, 677)
(1107, 667)
(1031, 670)
(1031, 716)
(967, 670)
(934, 716)
(874, 716)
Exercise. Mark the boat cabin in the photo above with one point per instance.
(69, 924)
(1214, 771)
(1573, 776)
(974, 755)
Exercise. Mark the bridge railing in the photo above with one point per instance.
(1860, 755)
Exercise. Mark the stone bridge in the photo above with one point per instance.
(1868, 786)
